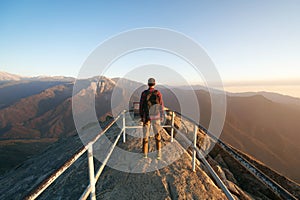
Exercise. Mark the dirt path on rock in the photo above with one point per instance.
(148, 178)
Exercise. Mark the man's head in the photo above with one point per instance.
(151, 82)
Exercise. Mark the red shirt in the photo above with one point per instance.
(143, 99)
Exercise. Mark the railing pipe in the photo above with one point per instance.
(136, 127)
(107, 157)
(104, 130)
(194, 147)
(272, 185)
(99, 171)
(215, 176)
(172, 125)
(124, 126)
(91, 173)
(48, 181)
(86, 193)
(210, 169)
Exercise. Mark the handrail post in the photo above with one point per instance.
(124, 127)
(172, 124)
(91, 172)
(194, 147)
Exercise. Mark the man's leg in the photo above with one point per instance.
(157, 130)
(146, 130)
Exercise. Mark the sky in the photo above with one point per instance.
(255, 45)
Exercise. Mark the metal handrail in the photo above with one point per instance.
(49, 180)
(267, 181)
(89, 147)
(214, 175)
(197, 151)
(90, 189)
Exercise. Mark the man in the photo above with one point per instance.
(151, 112)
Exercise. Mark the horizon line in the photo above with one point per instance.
(226, 83)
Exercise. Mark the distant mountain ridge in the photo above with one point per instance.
(5, 76)
(279, 98)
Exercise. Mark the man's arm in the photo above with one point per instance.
(162, 114)
(142, 99)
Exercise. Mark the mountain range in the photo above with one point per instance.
(39, 112)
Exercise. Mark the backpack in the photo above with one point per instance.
(151, 105)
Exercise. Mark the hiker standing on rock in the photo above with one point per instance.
(151, 112)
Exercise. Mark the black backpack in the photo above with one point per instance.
(151, 105)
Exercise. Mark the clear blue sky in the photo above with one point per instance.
(248, 40)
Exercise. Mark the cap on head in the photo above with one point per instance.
(151, 81)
